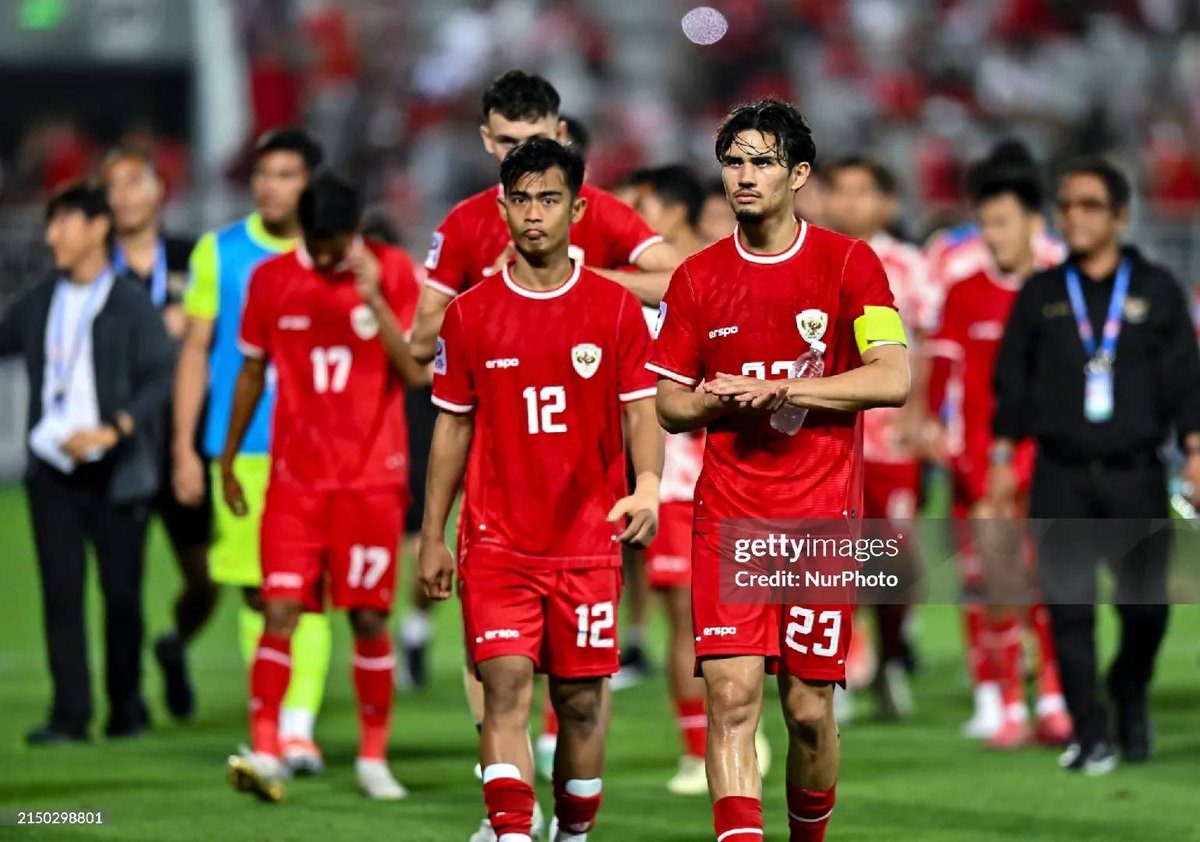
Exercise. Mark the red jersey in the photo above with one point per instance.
(964, 349)
(956, 254)
(683, 458)
(918, 300)
(339, 414)
(729, 310)
(474, 235)
(546, 374)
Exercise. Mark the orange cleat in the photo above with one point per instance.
(1013, 734)
(1054, 729)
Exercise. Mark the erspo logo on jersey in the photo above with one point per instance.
(504, 362)
(723, 331)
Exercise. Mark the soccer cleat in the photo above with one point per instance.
(762, 750)
(261, 775)
(376, 781)
(485, 833)
(302, 757)
(893, 696)
(1054, 729)
(557, 835)
(989, 713)
(543, 756)
(172, 660)
(691, 777)
(1012, 734)
(1093, 762)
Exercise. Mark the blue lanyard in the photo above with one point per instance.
(63, 365)
(1112, 322)
(158, 275)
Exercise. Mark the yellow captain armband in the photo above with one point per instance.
(878, 326)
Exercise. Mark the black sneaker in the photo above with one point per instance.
(130, 724)
(1098, 760)
(1135, 735)
(172, 659)
(53, 735)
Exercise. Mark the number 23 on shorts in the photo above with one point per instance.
(823, 641)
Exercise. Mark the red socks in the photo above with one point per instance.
(576, 804)
(269, 677)
(737, 818)
(1005, 644)
(693, 725)
(975, 622)
(1048, 681)
(808, 813)
(509, 801)
(373, 665)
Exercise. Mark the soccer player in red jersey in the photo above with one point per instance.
(861, 202)
(964, 348)
(328, 316)
(534, 374)
(473, 243)
(728, 337)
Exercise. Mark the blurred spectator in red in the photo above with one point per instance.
(1174, 174)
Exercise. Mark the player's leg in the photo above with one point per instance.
(813, 755)
(579, 759)
(415, 627)
(893, 696)
(374, 663)
(733, 688)
(687, 693)
(413, 633)
(504, 746)
(635, 665)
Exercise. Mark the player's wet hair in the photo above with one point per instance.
(290, 140)
(578, 137)
(330, 206)
(87, 197)
(538, 156)
(781, 120)
(1116, 182)
(674, 184)
(1020, 182)
(517, 95)
(885, 181)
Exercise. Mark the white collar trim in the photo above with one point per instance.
(752, 257)
(559, 290)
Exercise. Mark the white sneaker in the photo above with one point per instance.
(261, 775)
(762, 748)
(376, 781)
(485, 833)
(989, 713)
(690, 779)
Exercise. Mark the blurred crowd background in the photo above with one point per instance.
(392, 91)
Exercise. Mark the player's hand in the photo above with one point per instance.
(231, 490)
(365, 266)
(83, 442)
(748, 394)
(933, 442)
(436, 569)
(642, 512)
(187, 478)
(1001, 489)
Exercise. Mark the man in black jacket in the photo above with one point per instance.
(99, 367)
(1099, 364)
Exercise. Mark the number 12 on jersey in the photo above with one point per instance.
(541, 407)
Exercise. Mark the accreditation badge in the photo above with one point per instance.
(1098, 391)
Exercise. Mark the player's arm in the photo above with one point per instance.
(431, 310)
(682, 409)
(367, 279)
(655, 265)
(452, 434)
(645, 440)
(191, 371)
(247, 391)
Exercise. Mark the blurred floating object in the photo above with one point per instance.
(704, 25)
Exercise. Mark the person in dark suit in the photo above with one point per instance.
(99, 367)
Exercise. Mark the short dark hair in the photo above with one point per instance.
(330, 206)
(1021, 183)
(517, 95)
(130, 152)
(783, 121)
(715, 187)
(1116, 182)
(578, 137)
(290, 139)
(674, 185)
(885, 180)
(538, 156)
(87, 197)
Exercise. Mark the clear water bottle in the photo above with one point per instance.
(788, 419)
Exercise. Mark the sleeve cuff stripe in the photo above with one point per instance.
(442, 288)
(879, 343)
(457, 408)
(626, 397)
(642, 246)
(249, 350)
(666, 372)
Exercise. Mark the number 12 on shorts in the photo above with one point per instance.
(594, 621)
(831, 622)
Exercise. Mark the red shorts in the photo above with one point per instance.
(343, 541)
(808, 642)
(890, 490)
(564, 620)
(669, 556)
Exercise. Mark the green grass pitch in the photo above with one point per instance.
(919, 782)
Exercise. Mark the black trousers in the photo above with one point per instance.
(1118, 514)
(68, 511)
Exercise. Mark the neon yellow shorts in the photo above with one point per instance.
(233, 558)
